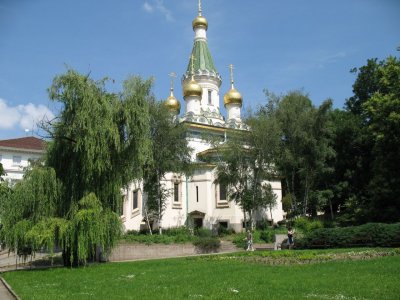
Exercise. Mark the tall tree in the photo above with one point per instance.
(305, 148)
(376, 104)
(382, 114)
(100, 140)
(245, 163)
(351, 168)
(169, 153)
(99, 143)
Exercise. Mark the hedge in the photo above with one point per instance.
(367, 235)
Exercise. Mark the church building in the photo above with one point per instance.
(197, 197)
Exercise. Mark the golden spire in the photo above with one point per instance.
(172, 103)
(192, 88)
(232, 96)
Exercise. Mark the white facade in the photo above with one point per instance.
(197, 200)
(15, 156)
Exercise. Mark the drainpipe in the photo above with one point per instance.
(187, 201)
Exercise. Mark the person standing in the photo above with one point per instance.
(290, 241)
(249, 241)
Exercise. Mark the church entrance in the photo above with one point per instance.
(198, 222)
(197, 217)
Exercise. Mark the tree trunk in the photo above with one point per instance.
(305, 197)
(331, 209)
(147, 220)
(244, 219)
(159, 203)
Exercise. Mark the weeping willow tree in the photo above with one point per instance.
(31, 222)
(30, 202)
(90, 230)
(99, 142)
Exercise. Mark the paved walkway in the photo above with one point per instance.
(5, 293)
(9, 261)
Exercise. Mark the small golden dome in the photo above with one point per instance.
(192, 88)
(172, 103)
(200, 21)
(233, 96)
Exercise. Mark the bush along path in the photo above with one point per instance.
(290, 257)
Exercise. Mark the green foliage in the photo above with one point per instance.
(169, 153)
(207, 244)
(223, 231)
(305, 149)
(244, 164)
(91, 227)
(176, 231)
(268, 236)
(2, 172)
(95, 134)
(100, 142)
(372, 159)
(31, 201)
(170, 235)
(371, 234)
(203, 232)
(47, 233)
(306, 225)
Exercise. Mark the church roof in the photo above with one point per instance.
(28, 143)
(202, 59)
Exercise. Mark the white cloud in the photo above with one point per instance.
(23, 116)
(158, 5)
(147, 7)
(9, 116)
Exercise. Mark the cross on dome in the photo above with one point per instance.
(231, 74)
(172, 75)
(200, 8)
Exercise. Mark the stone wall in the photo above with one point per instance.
(124, 251)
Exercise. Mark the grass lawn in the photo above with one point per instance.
(219, 277)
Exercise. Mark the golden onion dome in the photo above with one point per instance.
(200, 21)
(172, 103)
(233, 96)
(192, 88)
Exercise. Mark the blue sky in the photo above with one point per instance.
(278, 45)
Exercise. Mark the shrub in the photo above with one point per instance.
(207, 244)
(176, 231)
(262, 224)
(367, 235)
(132, 232)
(281, 223)
(222, 231)
(240, 240)
(203, 232)
(172, 235)
(305, 225)
(267, 236)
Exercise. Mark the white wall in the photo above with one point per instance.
(15, 170)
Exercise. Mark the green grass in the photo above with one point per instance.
(219, 277)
